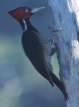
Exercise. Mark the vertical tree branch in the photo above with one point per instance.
(64, 29)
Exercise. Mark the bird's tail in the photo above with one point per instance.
(59, 84)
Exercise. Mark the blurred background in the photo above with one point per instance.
(20, 84)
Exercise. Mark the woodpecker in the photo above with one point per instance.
(37, 47)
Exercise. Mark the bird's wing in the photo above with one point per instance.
(47, 44)
(47, 49)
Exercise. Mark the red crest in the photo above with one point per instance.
(19, 14)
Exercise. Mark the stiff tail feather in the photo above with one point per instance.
(59, 84)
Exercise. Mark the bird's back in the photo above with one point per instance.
(34, 50)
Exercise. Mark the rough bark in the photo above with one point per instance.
(65, 22)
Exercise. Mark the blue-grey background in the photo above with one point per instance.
(20, 84)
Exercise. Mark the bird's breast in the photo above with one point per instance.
(33, 49)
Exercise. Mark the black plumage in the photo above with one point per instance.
(39, 49)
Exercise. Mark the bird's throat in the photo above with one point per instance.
(29, 25)
(23, 25)
(26, 25)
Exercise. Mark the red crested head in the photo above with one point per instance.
(21, 13)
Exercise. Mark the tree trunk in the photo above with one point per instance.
(64, 29)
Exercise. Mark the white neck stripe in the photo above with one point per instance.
(25, 25)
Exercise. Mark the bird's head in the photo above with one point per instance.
(23, 13)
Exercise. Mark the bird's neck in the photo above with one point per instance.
(26, 25)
